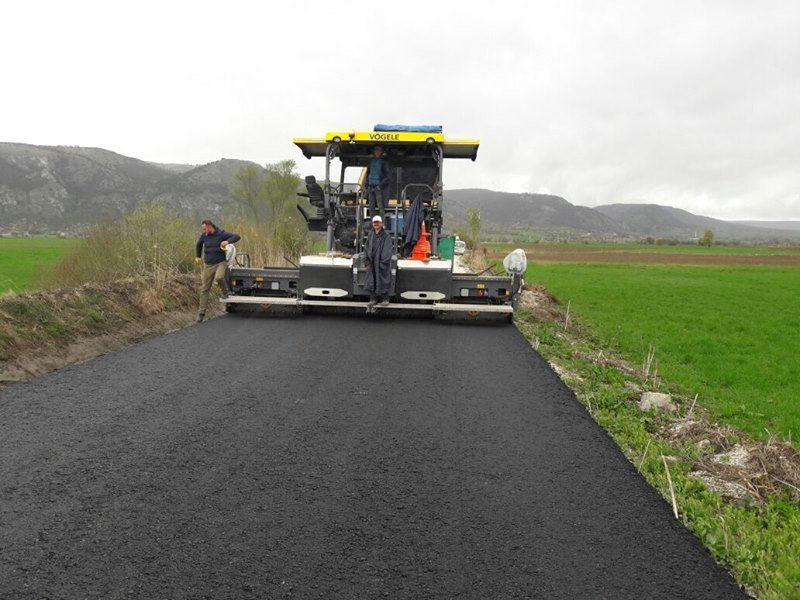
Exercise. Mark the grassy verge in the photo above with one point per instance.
(756, 537)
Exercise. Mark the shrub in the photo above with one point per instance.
(150, 240)
(153, 242)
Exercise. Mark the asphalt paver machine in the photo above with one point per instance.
(433, 282)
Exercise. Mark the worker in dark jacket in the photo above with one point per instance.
(378, 255)
(379, 178)
(210, 250)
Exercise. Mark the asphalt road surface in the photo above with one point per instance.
(326, 457)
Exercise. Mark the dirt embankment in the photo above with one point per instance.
(44, 331)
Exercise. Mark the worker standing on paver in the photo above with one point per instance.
(378, 253)
(210, 249)
(379, 177)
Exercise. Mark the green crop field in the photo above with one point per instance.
(689, 249)
(726, 332)
(23, 261)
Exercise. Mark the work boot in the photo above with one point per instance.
(200, 317)
(384, 301)
(373, 300)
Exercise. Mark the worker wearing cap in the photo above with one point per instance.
(378, 256)
(379, 177)
(210, 249)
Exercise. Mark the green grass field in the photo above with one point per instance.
(727, 333)
(24, 261)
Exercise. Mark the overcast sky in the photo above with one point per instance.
(691, 104)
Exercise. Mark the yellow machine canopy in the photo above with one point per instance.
(361, 143)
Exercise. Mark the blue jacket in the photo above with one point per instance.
(208, 246)
(385, 176)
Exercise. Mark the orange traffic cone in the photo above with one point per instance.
(422, 249)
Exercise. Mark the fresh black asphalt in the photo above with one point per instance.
(324, 457)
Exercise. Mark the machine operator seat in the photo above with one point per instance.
(315, 194)
(317, 220)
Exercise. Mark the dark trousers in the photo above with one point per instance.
(376, 200)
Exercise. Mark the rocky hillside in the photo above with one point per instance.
(56, 188)
(68, 188)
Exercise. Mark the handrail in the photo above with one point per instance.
(337, 187)
(422, 185)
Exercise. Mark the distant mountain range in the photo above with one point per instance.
(551, 216)
(785, 225)
(503, 211)
(669, 222)
(67, 188)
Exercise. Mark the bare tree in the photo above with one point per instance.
(248, 183)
